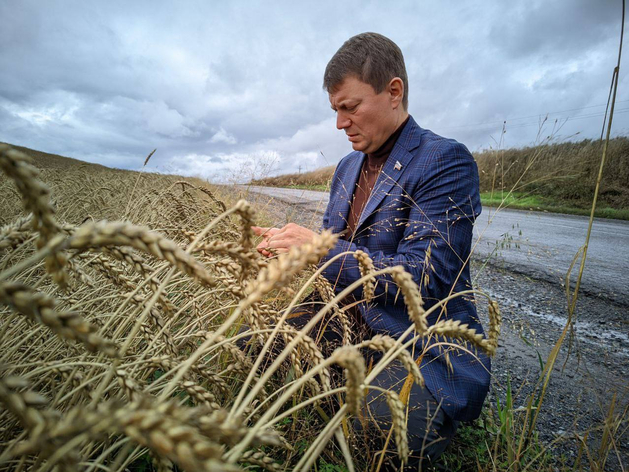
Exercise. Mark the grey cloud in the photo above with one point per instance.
(219, 88)
(554, 29)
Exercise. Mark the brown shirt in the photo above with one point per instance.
(372, 165)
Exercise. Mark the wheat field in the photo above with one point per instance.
(138, 329)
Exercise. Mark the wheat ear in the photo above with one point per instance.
(36, 199)
(412, 298)
(260, 459)
(15, 233)
(281, 271)
(457, 330)
(326, 292)
(495, 320)
(103, 233)
(162, 428)
(35, 193)
(38, 423)
(234, 250)
(366, 267)
(398, 420)
(350, 359)
(244, 210)
(138, 263)
(384, 343)
(168, 430)
(41, 309)
(23, 404)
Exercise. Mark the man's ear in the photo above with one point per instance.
(396, 91)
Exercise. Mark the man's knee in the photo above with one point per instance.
(429, 429)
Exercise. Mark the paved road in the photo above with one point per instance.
(538, 244)
(545, 244)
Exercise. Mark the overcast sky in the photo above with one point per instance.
(227, 90)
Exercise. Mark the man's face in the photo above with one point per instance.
(367, 118)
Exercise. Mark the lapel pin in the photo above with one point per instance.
(397, 165)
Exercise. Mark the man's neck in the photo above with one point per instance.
(385, 148)
(401, 118)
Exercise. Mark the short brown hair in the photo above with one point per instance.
(372, 58)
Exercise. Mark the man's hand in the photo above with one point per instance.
(276, 240)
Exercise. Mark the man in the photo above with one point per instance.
(408, 197)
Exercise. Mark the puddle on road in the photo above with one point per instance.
(586, 331)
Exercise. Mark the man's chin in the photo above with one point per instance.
(361, 147)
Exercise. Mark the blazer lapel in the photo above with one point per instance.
(345, 194)
(395, 166)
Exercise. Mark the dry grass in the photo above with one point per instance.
(320, 177)
(561, 175)
(565, 172)
(122, 298)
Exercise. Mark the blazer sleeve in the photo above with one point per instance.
(443, 207)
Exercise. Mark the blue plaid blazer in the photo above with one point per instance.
(425, 201)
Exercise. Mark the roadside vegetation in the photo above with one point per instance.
(558, 178)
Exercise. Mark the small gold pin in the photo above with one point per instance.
(397, 165)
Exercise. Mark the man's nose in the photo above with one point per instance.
(342, 121)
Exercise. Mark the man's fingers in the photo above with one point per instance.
(279, 240)
(258, 230)
(267, 250)
(264, 232)
(262, 248)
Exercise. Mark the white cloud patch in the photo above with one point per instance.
(237, 167)
(160, 119)
(222, 136)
